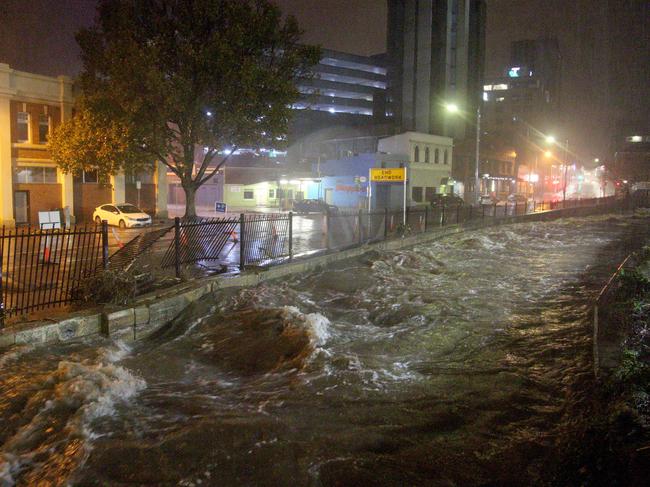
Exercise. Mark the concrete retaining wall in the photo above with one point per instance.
(150, 312)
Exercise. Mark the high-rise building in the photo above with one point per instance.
(435, 55)
(527, 95)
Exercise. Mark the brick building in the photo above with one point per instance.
(31, 106)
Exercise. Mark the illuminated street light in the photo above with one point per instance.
(548, 154)
(550, 139)
(452, 108)
(596, 160)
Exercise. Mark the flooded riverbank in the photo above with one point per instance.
(459, 362)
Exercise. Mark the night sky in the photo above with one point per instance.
(38, 36)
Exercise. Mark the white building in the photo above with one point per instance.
(430, 163)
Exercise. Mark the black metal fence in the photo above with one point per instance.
(43, 268)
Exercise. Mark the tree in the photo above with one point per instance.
(183, 82)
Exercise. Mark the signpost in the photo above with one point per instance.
(388, 175)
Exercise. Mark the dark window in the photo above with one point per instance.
(43, 128)
(249, 195)
(430, 192)
(89, 176)
(436, 156)
(22, 127)
(280, 193)
(271, 193)
(445, 159)
(290, 194)
(427, 155)
(416, 193)
(416, 157)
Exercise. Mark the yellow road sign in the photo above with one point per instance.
(387, 175)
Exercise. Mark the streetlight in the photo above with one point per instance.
(453, 109)
(551, 140)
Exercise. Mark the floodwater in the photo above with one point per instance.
(459, 362)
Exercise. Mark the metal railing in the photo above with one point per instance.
(43, 268)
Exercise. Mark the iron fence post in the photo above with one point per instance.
(105, 244)
(177, 246)
(457, 214)
(242, 243)
(2, 301)
(385, 223)
(442, 215)
(426, 218)
(327, 228)
(290, 235)
(360, 224)
(494, 213)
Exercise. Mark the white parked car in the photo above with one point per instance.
(124, 215)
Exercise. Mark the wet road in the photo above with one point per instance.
(459, 362)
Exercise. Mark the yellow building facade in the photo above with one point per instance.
(31, 106)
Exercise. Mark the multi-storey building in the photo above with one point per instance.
(435, 56)
(31, 106)
(346, 96)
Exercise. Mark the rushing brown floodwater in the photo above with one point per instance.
(455, 363)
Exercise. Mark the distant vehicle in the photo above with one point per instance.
(488, 199)
(446, 200)
(312, 206)
(517, 198)
(124, 216)
(641, 186)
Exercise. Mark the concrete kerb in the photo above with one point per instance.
(150, 312)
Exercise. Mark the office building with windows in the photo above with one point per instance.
(435, 56)
(345, 97)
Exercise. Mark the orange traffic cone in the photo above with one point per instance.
(46, 255)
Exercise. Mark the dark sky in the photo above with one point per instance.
(38, 36)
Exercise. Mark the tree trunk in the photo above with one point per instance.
(190, 201)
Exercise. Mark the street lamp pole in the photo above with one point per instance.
(566, 166)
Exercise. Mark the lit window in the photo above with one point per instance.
(503, 86)
(635, 138)
(43, 128)
(487, 87)
(35, 175)
(22, 127)
(486, 96)
(249, 195)
(500, 99)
